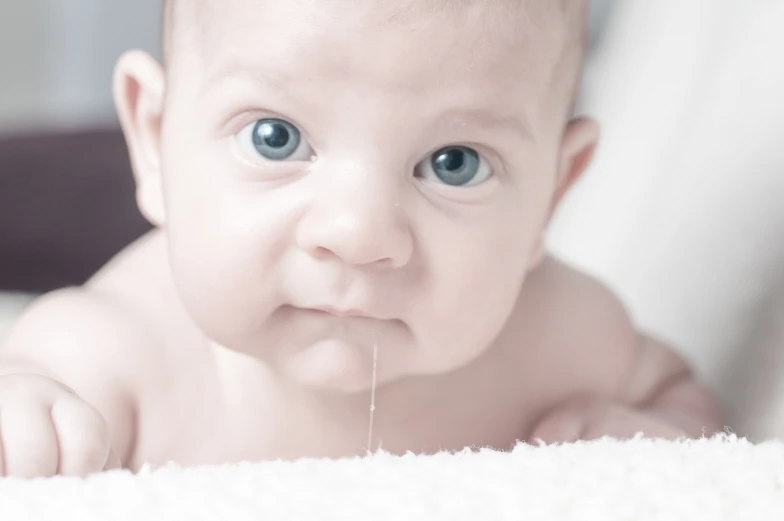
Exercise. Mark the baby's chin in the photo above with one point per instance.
(339, 366)
(335, 365)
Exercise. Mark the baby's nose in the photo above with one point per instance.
(359, 227)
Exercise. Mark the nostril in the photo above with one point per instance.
(321, 252)
(385, 263)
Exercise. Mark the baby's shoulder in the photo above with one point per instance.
(575, 313)
(78, 333)
(559, 292)
(111, 326)
(569, 335)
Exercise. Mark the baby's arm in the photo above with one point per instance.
(66, 405)
(663, 384)
(658, 394)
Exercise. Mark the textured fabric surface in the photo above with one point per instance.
(720, 479)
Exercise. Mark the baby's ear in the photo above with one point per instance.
(139, 86)
(577, 149)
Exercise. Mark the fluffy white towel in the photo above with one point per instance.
(724, 478)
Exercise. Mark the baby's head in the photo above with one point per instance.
(337, 174)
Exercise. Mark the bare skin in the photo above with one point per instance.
(168, 394)
(242, 329)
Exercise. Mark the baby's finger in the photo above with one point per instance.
(622, 422)
(593, 420)
(113, 461)
(83, 437)
(561, 426)
(28, 439)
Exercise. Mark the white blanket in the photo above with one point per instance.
(641, 480)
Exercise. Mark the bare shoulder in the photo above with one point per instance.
(92, 332)
(560, 293)
(71, 331)
(85, 341)
(99, 338)
(581, 329)
(107, 340)
(589, 337)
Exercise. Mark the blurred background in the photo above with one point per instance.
(57, 58)
(682, 213)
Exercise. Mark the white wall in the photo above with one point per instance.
(57, 57)
(22, 58)
(682, 212)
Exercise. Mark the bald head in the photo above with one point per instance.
(554, 30)
(179, 14)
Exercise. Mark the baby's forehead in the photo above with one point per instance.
(567, 18)
(395, 8)
(508, 36)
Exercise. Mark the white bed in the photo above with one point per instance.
(642, 480)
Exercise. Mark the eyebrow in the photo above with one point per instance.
(449, 118)
(490, 119)
(235, 70)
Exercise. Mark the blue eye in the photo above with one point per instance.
(455, 166)
(275, 139)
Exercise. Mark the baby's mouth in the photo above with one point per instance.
(340, 313)
(356, 325)
(333, 347)
(348, 313)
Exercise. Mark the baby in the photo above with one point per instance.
(350, 200)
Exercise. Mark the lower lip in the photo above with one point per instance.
(348, 314)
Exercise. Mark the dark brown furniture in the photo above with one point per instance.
(66, 206)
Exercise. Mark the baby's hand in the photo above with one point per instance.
(588, 420)
(45, 429)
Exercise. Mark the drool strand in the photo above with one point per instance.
(372, 398)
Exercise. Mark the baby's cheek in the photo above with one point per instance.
(219, 285)
(466, 314)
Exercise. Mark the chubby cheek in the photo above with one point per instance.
(475, 281)
(226, 243)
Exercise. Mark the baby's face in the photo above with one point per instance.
(338, 175)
